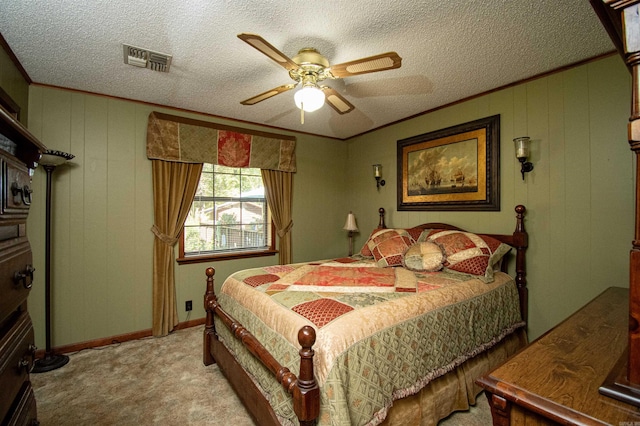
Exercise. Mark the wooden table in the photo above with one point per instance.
(556, 378)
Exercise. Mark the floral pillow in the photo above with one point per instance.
(424, 256)
(470, 253)
(389, 245)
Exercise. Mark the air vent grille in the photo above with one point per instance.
(145, 58)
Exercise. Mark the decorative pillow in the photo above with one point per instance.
(423, 235)
(365, 250)
(415, 233)
(388, 246)
(424, 256)
(470, 253)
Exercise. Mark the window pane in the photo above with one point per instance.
(191, 217)
(205, 214)
(208, 238)
(252, 186)
(229, 237)
(205, 186)
(227, 216)
(226, 185)
(225, 169)
(252, 236)
(198, 213)
(252, 212)
(229, 213)
(192, 240)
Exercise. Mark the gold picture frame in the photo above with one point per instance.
(456, 168)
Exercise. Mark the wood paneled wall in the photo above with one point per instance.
(579, 197)
(103, 212)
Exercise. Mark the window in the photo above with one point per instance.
(229, 217)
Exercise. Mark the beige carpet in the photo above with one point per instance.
(156, 381)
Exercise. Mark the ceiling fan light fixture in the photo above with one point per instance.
(309, 98)
(308, 68)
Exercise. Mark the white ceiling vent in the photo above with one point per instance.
(145, 58)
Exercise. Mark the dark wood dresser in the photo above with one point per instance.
(19, 150)
(555, 379)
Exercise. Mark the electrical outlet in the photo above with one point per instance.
(188, 305)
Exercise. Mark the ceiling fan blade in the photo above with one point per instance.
(265, 47)
(269, 93)
(336, 101)
(382, 62)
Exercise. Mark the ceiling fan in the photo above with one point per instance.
(309, 67)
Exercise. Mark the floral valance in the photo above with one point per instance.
(173, 138)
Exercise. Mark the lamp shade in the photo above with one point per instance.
(350, 224)
(309, 98)
(54, 158)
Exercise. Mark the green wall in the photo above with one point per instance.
(579, 197)
(103, 212)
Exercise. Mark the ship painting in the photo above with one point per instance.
(457, 179)
(451, 168)
(433, 178)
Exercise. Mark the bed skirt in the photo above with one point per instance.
(455, 391)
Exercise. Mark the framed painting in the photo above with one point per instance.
(456, 168)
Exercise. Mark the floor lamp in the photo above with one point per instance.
(49, 161)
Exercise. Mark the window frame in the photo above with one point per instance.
(240, 254)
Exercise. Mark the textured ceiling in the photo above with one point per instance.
(450, 50)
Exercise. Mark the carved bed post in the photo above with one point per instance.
(209, 328)
(305, 390)
(381, 223)
(521, 241)
(306, 400)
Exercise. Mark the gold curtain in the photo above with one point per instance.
(279, 194)
(177, 147)
(174, 188)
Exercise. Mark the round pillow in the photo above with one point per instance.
(425, 256)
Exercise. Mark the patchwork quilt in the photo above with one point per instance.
(382, 333)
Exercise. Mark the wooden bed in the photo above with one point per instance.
(445, 392)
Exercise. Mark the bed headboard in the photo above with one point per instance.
(519, 240)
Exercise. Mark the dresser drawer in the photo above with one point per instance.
(16, 277)
(16, 359)
(24, 411)
(16, 189)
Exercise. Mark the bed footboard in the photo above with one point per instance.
(304, 389)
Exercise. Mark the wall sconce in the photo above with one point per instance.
(350, 225)
(522, 153)
(377, 173)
